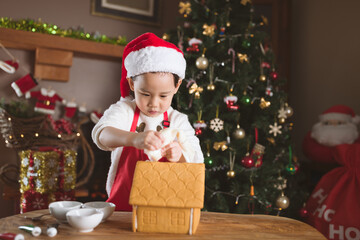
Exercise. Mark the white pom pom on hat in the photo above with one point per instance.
(341, 113)
(149, 53)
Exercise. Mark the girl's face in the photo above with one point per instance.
(153, 92)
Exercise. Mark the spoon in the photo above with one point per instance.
(37, 218)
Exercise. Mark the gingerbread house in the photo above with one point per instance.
(167, 197)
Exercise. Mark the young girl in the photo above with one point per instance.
(153, 70)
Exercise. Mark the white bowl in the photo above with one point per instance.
(84, 219)
(59, 209)
(106, 207)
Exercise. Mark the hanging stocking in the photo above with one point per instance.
(24, 84)
(258, 151)
(70, 109)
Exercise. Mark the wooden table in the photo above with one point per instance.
(212, 226)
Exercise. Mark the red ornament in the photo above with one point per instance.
(265, 65)
(274, 75)
(193, 48)
(199, 125)
(303, 212)
(230, 101)
(232, 106)
(296, 167)
(248, 162)
(198, 131)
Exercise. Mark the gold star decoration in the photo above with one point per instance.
(243, 57)
(264, 20)
(209, 30)
(244, 2)
(185, 8)
(196, 89)
(264, 104)
(220, 145)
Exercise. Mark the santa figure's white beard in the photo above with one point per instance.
(332, 135)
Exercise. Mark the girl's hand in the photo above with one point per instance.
(172, 152)
(149, 140)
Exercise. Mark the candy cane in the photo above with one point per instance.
(232, 51)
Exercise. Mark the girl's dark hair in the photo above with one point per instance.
(176, 77)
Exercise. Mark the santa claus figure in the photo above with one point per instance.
(337, 125)
(333, 144)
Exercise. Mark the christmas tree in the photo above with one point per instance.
(234, 95)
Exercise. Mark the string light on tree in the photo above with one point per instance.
(245, 99)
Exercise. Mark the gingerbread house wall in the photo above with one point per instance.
(165, 220)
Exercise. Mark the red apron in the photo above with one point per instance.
(120, 190)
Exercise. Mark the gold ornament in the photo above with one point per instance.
(209, 30)
(166, 37)
(283, 201)
(244, 2)
(239, 132)
(262, 78)
(228, 24)
(271, 140)
(220, 145)
(264, 104)
(231, 173)
(196, 90)
(202, 62)
(243, 57)
(265, 20)
(289, 111)
(281, 120)
(185, 8)
(211, 87)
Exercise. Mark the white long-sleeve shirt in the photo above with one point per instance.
(120, 115)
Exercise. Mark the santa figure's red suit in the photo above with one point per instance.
(46, 100)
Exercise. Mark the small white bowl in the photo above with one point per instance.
(106, 207)
(59, 209)
(84, 219)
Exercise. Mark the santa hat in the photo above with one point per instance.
(341, 113)
(149, 53)
(9, 66)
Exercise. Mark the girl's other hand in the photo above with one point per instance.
(172, 152)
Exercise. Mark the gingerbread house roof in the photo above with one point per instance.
(164, 184)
